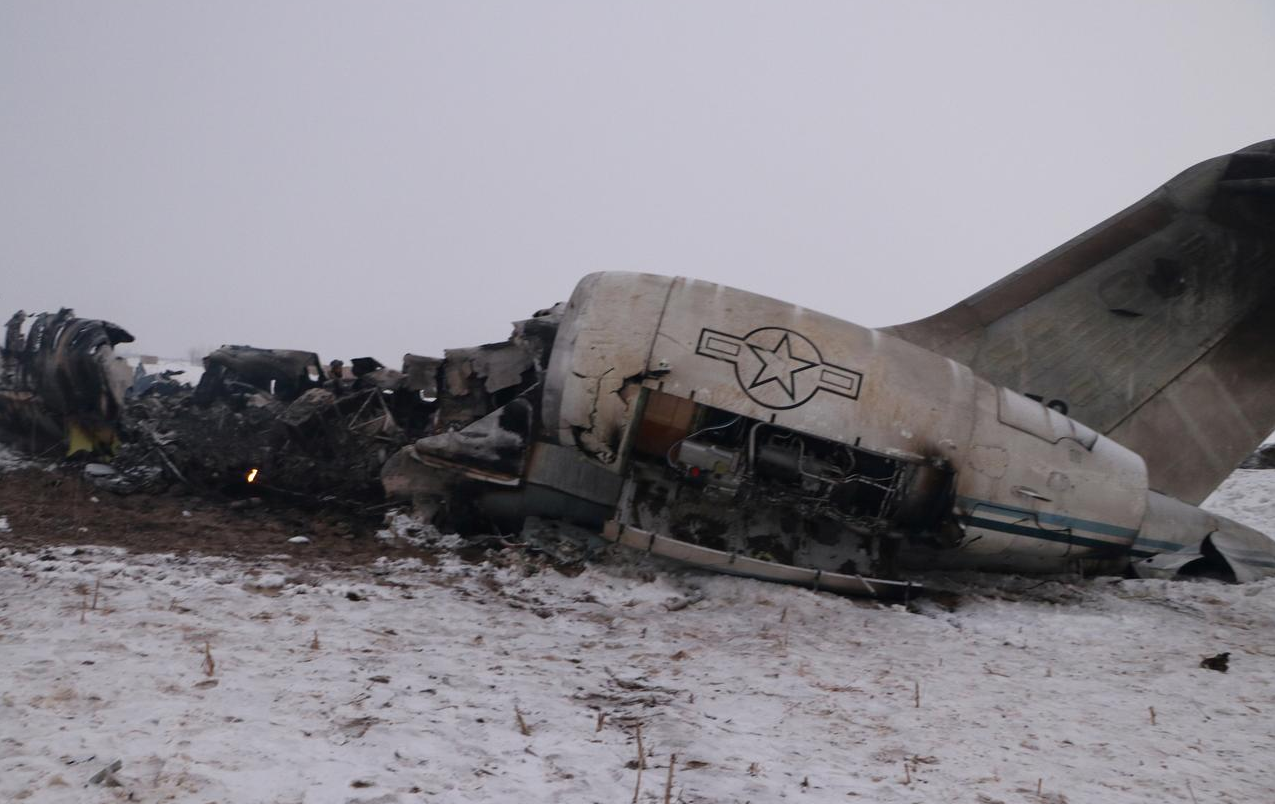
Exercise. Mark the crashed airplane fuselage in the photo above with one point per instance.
(752, 436)
(1069, 417)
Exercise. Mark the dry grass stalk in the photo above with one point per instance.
(209, 665)
(1192, 792)
(907, 773)
(1038, 784)
(84, 607)
(783, 615)
(637, 787)
(602, 716)
(522, 723)
(641, 751)
(96, 587)
(314, 643)
(668, 785)
(1151, 709)
(916, 694)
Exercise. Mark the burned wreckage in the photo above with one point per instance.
(1070, 416)
(60, 379)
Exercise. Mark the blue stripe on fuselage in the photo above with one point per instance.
(1052, 519)
(1050, 535)
(1140, 547)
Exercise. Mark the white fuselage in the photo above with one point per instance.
(1033, 489)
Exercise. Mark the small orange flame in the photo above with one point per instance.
(252, 475)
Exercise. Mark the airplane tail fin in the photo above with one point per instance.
(1155, 327)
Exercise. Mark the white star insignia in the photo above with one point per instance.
(779, 365)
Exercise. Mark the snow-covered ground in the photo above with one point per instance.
(1248, 497)
(220, 680)
(461, 682)
(11, 460)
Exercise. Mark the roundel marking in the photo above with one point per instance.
(779, 368)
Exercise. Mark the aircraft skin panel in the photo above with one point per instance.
(1196, 430)
(1030, 486)
(1130, 325)
(1061, 536)
(808, 371)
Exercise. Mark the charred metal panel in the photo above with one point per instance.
(483, 411)
(494, 366)
(285, 373)
(567, 470)
(421, 375)
(14, 346)
(495, 445)
(536, 335)
(63, 378)
(478, 380)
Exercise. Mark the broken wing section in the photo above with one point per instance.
(1154, 327)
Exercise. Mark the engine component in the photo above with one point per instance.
(709, 458)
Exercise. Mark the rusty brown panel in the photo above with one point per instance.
(668, 420)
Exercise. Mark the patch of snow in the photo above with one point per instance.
(460, 682)
(11, 460)
(403, 528)
(299, 540)
(191, 372)
(1248, 497)
(271, 580)
(4, 525)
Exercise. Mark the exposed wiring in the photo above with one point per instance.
(668, 456)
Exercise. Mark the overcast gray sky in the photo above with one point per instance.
(381, 177)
